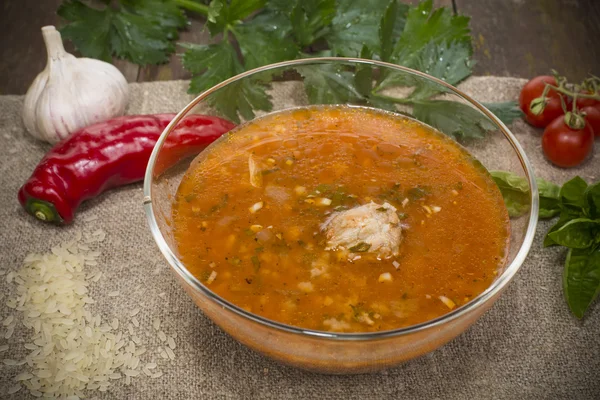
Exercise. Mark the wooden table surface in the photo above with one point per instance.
(521, 38)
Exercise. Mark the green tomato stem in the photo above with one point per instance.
(192, 6)
(570, 93)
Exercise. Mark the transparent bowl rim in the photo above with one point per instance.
(477, 302)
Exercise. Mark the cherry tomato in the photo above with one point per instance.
(532, 90)
(586, 102)
(567, 147)
(592, 116)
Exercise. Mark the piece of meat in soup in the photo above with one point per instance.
(370, 228)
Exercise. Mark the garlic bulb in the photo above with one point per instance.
(71, 93)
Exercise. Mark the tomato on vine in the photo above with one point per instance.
(592, 116)
(539, 111)
(568, 140)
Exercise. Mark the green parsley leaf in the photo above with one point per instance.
(253, 38)
(228, 13)
(506, 112)
(214, 11)
(388, 24)
(449, 63)
(329, 84)
(273, 22)
(435, 42)
(457, 120)
(281, 6)
(425, 25)
(363, 76)
(214, 63)
(140, 31)
(210, 64)
(310, 20)
(355, 22)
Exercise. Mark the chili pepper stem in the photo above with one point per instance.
(43, 210)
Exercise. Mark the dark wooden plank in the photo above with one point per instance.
(526, 38)
(22, 49)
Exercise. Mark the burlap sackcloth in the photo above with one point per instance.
(528, 346)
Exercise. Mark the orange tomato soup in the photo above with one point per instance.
(263, 219)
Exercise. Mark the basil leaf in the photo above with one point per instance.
(572, 194)
(581, 279)
(579, 233)
(515, 191)
(566, 215)
(549, 202)
(592, 197)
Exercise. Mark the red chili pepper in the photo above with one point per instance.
(110, 154)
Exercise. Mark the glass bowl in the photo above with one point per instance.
(354, 82)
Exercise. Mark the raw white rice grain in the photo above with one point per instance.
(130, 372)
(8, 320)
(162, 336)
(134, 312)
(14, 389)
(114, 293)
(23, 376)
(171, 342)
(135, 322)
(3, 348)
(90, 218)
(170, 353)
(156, 324)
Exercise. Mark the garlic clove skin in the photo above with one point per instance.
(71, 93)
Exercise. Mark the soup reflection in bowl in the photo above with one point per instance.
(336, 229)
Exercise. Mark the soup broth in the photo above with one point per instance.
(341, 218)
